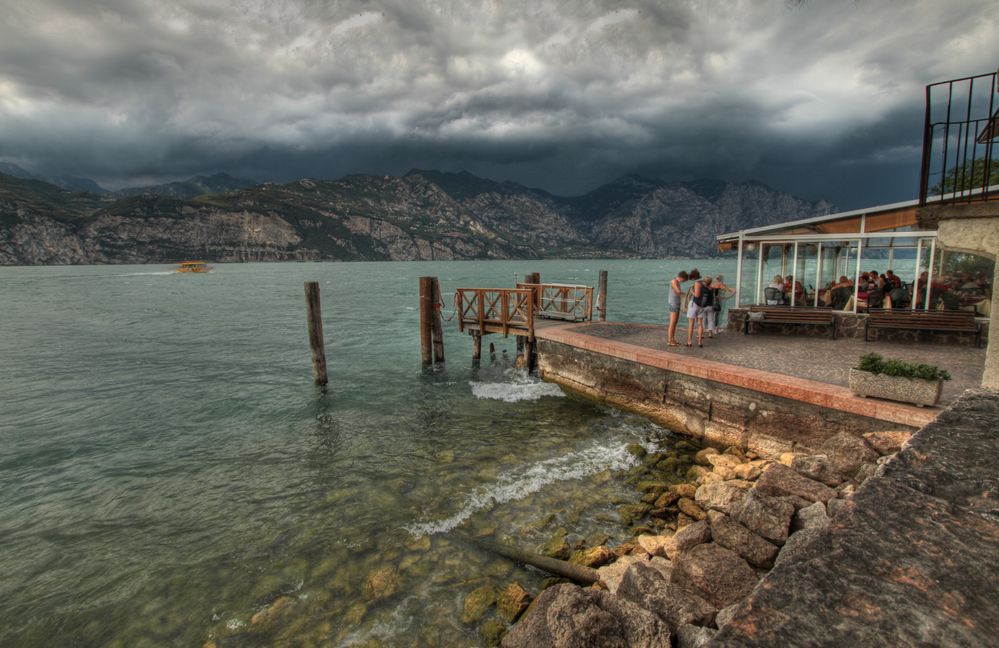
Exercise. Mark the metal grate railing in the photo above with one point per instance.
(960, 134)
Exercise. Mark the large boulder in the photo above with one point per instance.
(611, 575)
(779, 480)
(568, 616)
(722, 496)
(811, 517)
(687, 537)
(798, 547)
(817, 467)
(648, 588)
(715, 573)
(732, 535)
(692, 636)
(769, 517)
(847, 452)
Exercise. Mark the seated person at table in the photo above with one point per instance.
(774, 293)
(838, 293)
(799, 291)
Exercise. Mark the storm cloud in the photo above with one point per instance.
(823, 99)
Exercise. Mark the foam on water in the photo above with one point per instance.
(526, 480)
(520, 388)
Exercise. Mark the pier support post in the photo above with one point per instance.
(602, 297)
(315, 315)
(437, 325)
(492, 352)
(476, 346)
(426, 314)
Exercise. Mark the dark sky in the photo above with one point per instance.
(822, 99)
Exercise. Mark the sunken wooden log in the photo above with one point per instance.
(565, 569)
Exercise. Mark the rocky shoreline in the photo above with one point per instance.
(706, 532)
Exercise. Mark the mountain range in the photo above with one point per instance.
(422, 215)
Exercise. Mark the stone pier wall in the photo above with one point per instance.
(717, 413)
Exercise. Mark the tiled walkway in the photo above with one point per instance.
(821, 359)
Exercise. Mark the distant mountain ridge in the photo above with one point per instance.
(217, 183)
(70, 183)
(423, 215)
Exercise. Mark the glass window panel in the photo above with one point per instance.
(750, 264)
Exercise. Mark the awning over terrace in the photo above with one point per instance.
(830, 259)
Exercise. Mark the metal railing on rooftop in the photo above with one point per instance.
(960, 134)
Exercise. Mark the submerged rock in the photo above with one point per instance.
(278, 609)
(567, 616)
(492, 632)
(477, 602)
(381, 583)
(557, 546)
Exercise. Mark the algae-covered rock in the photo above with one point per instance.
(631, 513)
(593, 557)
(636, 450)
(477, 602)
(278, 609)
(557, 546)
(492, 632)
(355, 614)
(512, 602)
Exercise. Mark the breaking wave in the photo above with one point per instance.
(526, 480)
(521, 388)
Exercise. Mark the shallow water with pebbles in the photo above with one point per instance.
(170, 476)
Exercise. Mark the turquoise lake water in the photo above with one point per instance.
(168, 470)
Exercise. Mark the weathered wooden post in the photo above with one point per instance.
(437, 325)
(476, 346)
(426, 312)
(602, 297)
(315, 315)
(492, 352)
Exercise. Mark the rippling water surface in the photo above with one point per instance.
(169, 475)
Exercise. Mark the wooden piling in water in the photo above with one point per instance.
(492, 352)
(602, 297)
(437, 325)
(476, 346)
(315, 317)
(426, 315)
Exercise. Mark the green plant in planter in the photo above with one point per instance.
(874, 363)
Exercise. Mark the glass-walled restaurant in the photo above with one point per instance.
(857, 260)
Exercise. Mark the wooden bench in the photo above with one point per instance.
(942, 321)
(822, 316)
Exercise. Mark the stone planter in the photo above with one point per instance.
(907, 390)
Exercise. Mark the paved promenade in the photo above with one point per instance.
(819, 359)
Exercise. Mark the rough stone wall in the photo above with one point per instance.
(717, 413)
(849, 325)
(911, 560)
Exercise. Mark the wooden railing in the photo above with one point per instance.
(496, 310)
(562, 301)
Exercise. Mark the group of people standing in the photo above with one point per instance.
(703, 305)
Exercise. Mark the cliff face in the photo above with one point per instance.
(421, 216)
